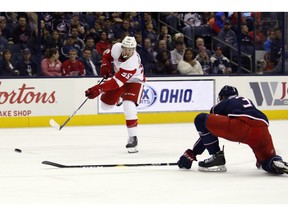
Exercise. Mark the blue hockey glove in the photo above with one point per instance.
(185, 161)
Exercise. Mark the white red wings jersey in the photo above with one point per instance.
(128, 70)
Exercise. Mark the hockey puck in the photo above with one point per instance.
(18, 150)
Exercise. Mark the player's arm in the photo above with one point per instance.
(106, 68)
(118, 80)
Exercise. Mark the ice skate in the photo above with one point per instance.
(132, 144)
(216, 163)
(280, 166)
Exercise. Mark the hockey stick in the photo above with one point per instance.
(106, 165)
(55, 125)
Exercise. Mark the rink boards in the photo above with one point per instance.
(33, 102)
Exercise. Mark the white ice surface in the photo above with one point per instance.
(27, 186)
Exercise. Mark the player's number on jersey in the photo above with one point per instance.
(247, 101)
(126, 75)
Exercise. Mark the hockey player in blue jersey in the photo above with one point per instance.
(234, 118)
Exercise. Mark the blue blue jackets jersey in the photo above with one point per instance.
(238, 106)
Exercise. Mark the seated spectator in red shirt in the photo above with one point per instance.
(72, 66)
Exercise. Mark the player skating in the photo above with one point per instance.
(234, 118)
(127, 84)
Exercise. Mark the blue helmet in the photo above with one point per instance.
(226, 92)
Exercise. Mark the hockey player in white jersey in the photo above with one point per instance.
(127, 84)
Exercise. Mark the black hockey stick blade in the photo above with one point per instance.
(106, 165)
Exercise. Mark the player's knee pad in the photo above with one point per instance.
(129, 108)
(200, 122)
(105, 106)
(268, 165)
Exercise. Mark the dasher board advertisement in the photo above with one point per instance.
(166, 96)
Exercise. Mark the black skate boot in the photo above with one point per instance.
(280, 166)
(216, 163)
(132, 144)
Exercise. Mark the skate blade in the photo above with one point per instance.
(221, 168)
(132, 150)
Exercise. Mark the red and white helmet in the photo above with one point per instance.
(129, 42)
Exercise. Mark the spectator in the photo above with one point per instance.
(150, 32)
(55, 41)
(103, 44)
(32, 43)
(76, 23)
(95, 57)
(164, 31)
(3, 43)
(51, 66)
(78, 42)
(246, 41)
(227, 35)
(217, 22)
(68, 45)
(164, 35)
(204, 60)
(191, 22)
(200, 44)
(161, 45)
(177, 53)
(269, 40)
(125, 27)
(95, 31)
(220, 64)
(89, 65)
(259, 38)
(177, 37)
(149, 19)
(72, 66)
(276, 46)
(278, 68)
(109, 28)
(26, 66)
(138, 38)
(163, 64)
(7, 66)
(147, 57)
(6, 31)
(22, 33)
(189, 65)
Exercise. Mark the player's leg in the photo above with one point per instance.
(275, 165)
(131, 99)
(216, 163)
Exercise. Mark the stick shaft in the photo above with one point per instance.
(73, 114)
(106, 165)
(69, 118)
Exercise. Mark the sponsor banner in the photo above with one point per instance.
(43, 97)
(165, 96)
(270, 93)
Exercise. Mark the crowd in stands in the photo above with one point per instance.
(72, 44)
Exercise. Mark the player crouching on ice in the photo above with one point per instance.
(234, 118)
(127, 83)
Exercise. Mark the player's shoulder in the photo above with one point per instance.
(117, 46)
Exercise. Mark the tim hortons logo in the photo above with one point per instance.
(27, 95)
